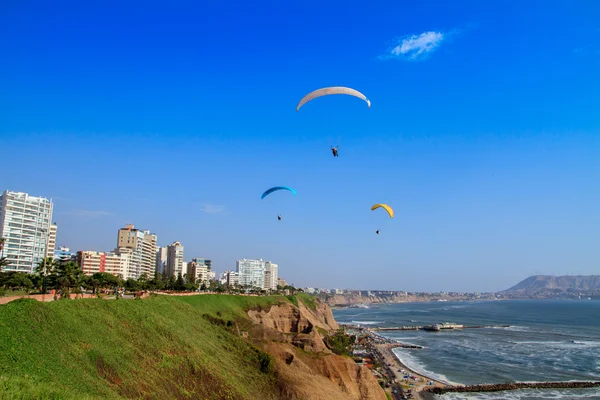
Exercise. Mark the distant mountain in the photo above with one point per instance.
(556, 284)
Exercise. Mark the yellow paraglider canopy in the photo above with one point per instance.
(385, 207)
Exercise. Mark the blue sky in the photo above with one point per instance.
(483, 135)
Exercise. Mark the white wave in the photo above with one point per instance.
(367, 322)
(412, 363)
(398, 338)
(545, 342)
(513, 328)
(559, 344)
(588, 343)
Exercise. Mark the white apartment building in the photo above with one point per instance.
(251, 272)
(25, 223)
(230, 278)
(52, 240)
(161, 259)
(271, 275)
(175, 265)
(129, 262)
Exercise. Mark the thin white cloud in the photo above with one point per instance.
(212, 208)
(88, 213)
(415, 47)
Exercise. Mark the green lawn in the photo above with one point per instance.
(161, 347)
(230, 307)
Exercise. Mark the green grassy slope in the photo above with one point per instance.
(161, 347)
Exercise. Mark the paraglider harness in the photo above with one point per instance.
(334, 150)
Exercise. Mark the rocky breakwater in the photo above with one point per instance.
(305, 368)
(499, 387)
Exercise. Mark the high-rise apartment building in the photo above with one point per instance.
(175, 265)
(251, 272)
(161, 259)
(51, 240)
(271, 275)
(143, 251)
(25, 223)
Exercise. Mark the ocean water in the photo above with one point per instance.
(548, 340)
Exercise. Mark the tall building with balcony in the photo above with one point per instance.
(141, 247)
(25, 223)
(161, 259)
(251, 272)
(271, 275)
(92, 262)
(52, 240)
(175, 265)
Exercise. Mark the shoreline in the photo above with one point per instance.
(393, 343)
(416, 382)
(421, 383)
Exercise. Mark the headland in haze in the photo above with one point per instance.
(576, 287)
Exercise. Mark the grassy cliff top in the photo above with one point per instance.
(161, 347)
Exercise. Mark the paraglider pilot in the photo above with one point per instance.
(279, 218)
(334, 150)
(377, 232)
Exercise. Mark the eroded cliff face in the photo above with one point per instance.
(288, 318)
(305, 367)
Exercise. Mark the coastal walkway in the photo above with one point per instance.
(427, 327)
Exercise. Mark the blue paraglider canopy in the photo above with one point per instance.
(276, 188)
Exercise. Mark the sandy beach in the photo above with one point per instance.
(419, 381)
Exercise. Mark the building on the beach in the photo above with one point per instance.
(175, 264)
(141, 245)
(25, 224)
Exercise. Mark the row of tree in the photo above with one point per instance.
(67, 278)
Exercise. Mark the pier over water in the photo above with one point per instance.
(498, 387)
(434, 327)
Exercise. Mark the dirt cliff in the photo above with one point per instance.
(305, 368)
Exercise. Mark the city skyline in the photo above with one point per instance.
(483, 134)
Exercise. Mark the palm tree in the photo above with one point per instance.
(44, 268)
(3, 263)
